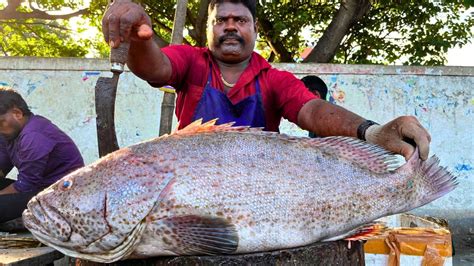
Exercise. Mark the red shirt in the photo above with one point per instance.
(283, 94)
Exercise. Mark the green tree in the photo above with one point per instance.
(346, 31)
(33, 28)
(408, 32)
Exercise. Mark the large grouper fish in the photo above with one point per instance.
(217, 189)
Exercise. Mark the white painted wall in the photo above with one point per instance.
(63, 91)
(442, 98)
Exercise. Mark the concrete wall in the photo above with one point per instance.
(441, 97)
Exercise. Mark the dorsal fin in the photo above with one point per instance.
(197, 127)
(364, 154)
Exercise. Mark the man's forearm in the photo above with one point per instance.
(9, 190)
(326, 119)
(146, 60)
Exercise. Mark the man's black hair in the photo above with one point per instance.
(250, 4)
(9, 98)
(314, 83)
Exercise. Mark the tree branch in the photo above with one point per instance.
(198, 33)
(10, 12)
(162, 26)
(35, 23)
(10, 8)
(348, 14)
(201, 22)
(277, 47)
(158, 38)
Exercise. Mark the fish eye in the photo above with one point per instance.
(66, 184)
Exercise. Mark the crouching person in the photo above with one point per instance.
(40, 151)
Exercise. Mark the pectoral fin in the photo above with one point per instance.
(191, 235)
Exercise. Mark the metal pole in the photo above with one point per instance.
(167, 106)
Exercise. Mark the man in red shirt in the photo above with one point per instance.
(228, 81)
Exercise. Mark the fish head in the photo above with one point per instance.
(98, 211)
(69, 212)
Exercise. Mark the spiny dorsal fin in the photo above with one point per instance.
(366, 155)
(197, 127)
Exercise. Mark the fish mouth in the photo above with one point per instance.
(46, 221)
(48, 226)
(31, 223)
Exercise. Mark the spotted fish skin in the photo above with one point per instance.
(211, 189)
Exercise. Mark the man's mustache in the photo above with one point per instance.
(231, 36)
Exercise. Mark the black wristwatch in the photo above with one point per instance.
(363, 128)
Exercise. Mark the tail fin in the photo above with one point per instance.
(432, 180)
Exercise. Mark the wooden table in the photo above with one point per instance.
(326, 253)
(29, 256)
(34, 255)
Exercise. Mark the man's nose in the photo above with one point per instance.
(230, 25)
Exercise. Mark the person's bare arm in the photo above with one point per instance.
(326, 119)
(8, 190)
(128, 22)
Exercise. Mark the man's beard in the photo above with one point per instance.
(12, 136)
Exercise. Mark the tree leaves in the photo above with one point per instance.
(406, 33)
(402, 32)
(30, 28)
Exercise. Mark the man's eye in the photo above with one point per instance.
(242, 20)
(219, 20)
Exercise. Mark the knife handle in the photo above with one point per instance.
(118, 57)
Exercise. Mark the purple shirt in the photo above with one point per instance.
(5, 162)
(43, 154)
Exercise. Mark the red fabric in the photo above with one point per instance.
(283, 94)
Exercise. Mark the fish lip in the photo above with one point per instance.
(46, 239)
(30, 216)
(39, 231)
(31, 222)
(38, 211)
(37, 218)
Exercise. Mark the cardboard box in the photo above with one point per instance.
(410, 240)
